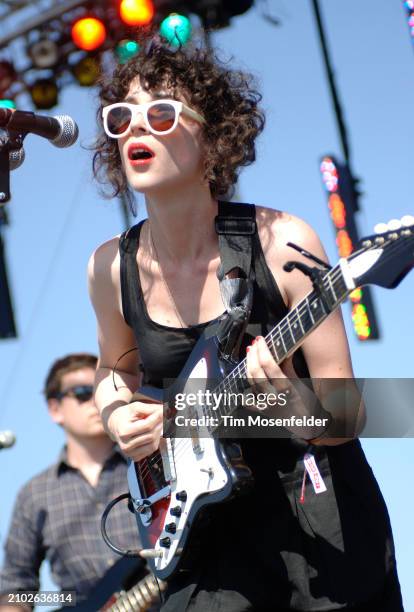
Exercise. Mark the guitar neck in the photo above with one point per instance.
(288, 335)
(139, 597)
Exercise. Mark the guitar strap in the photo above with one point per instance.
(235, 225)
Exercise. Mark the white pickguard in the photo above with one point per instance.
(197, 472)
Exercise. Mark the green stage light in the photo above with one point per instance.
(176, 29)
(125, 50)
(7, 104)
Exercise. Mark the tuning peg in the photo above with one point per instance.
(407, 220)
(394, 224)
(381, 228)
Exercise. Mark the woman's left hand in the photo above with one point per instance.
(263, 373)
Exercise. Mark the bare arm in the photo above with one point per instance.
(136, 427)
(326, 349)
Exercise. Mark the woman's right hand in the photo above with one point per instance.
(136, 428)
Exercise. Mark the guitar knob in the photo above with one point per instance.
(181, 496)
(171, 527)
(165, 542)
(176, 511)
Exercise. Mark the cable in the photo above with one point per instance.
(120, 551)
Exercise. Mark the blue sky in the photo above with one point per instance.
(57, 217)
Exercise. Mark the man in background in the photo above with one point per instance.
(57, 514)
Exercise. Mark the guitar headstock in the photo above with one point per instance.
(384, 258)
(391, 231)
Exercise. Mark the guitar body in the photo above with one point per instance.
(187, 474)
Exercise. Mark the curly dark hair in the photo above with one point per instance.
(226, 98)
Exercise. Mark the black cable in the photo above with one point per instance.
(117, 361)
(119, 551)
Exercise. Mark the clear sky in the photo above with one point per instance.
(57, 217)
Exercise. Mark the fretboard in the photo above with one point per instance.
(288, 335)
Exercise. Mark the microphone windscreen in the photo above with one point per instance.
(16, 158)
(68, 133)
(7, 439)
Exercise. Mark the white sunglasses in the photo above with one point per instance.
(160, 116)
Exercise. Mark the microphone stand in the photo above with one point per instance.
(9, 141)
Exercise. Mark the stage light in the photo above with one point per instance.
(411, 24)
(7, 76)
(409, 7)
(338, 186)
(44, 93)
(361, 321)
(337, 209)
(136, 12)
(344, 243)
(5, 103)
(125, 50)
(176, 29)
(356, 295)
(44, 53)
(88, 33)
(87, 71)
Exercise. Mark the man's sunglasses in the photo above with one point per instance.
(161, 117)
(83, 393)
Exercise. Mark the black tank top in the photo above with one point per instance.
(334, 549)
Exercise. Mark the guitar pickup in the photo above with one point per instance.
(167, 456)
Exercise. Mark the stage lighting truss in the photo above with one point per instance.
(40, 51)
(36, 36)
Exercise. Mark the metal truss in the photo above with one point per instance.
(20, 17)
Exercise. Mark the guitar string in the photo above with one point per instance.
(306, 303)
(179, 442)
(333, 275)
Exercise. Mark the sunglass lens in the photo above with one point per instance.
(161, 117)
(118, 120)
(83, 394)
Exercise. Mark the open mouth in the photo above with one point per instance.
(139, 153)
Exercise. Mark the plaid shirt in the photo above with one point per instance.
(57, 516)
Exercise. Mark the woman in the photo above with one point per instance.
(188, 126)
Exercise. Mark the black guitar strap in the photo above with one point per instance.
(235, 225)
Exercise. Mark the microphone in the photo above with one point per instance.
(61, 130)
(16, 158)
(7, 439)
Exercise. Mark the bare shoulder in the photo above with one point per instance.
(104, 262)
(277, 228)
